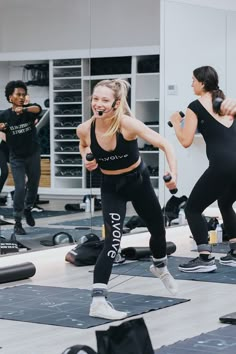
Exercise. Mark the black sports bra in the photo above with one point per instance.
(125, 154)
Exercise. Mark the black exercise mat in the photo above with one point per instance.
(69, 307)
(219, 248)
(35, 235)
(8, 213)
(223, 274)
(221, 340)
(96, 221)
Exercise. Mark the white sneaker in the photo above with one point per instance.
(166, 278)
(105, 310)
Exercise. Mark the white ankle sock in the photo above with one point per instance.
(97, 299)
(160, 261)
(99, 286)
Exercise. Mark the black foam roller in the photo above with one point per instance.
(17, 272)
(132, 253)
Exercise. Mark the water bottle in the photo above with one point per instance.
(181, 217)
(213, 237)
(87, 205)
(92, 204)
(9, 200)
(219, 233)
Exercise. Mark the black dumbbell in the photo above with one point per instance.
(89, 157)
(181, 114)
(167, 178)
(217, 103)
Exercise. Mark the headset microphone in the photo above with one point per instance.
(113, 104)
(100, 113)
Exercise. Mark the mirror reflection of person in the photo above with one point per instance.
(218, 182)
(111, 135)
(18, 124)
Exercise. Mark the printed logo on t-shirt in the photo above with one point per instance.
(21, 128)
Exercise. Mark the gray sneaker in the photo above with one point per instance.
(198, 265)
(229, 259)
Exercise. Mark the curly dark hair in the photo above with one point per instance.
(12, 85)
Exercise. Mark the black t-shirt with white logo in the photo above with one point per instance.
(21, 135)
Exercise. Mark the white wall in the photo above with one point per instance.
(4, 78)
(51, 26)
(231, 54)
(46, 25)
(192, 36)
(125, 23)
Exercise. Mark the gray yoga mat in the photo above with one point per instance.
(8, 213)
(36, 235)
(95, 220)
(223, 274)
(222, 340)
(69, 307)
(219, 248)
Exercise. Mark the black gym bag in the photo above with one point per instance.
(87, 252)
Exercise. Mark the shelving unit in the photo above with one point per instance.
(147, 93)
(71, 83)
(66, 83)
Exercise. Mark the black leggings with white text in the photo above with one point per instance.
(116, 191)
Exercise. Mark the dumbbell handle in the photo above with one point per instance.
(181, 114)
(167, 178)
(89, 157)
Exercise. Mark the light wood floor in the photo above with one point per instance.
(208, 300)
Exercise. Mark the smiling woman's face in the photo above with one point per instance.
(102, 100)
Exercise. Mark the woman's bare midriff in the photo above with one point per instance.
(123, 170)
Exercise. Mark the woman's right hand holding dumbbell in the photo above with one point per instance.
(90, 162)
(176, 118)
(170, 180)
(228, 107)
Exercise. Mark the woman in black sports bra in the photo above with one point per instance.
(111, 135)
(218, 182)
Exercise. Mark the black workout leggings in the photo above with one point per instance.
(217, 183)
(21, 167)
(115, 192)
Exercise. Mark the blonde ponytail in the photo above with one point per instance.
(120, 89)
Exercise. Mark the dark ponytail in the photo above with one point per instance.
(209, 77)
(218, 93)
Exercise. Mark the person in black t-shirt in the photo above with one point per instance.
(18, 123)
(218, 182)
